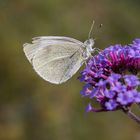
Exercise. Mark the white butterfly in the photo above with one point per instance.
(56, 58)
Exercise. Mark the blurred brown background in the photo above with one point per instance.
(32, 109)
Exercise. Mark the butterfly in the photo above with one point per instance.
(57, 58)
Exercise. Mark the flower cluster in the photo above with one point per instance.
(111, 77)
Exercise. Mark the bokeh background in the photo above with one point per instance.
(33, 109)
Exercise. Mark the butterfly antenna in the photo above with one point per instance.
(91, 29)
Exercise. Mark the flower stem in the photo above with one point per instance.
(138, 104)
(131, 115)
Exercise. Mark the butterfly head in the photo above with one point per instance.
(89, 45)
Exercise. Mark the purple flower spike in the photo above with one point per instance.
(112, 77)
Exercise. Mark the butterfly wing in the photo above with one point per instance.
(55, 59)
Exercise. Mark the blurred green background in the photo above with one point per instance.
(32, 109)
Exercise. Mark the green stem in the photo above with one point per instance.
(131, 115)
(138, 104)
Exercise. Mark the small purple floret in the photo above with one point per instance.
(111, 104)
(88, 107)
